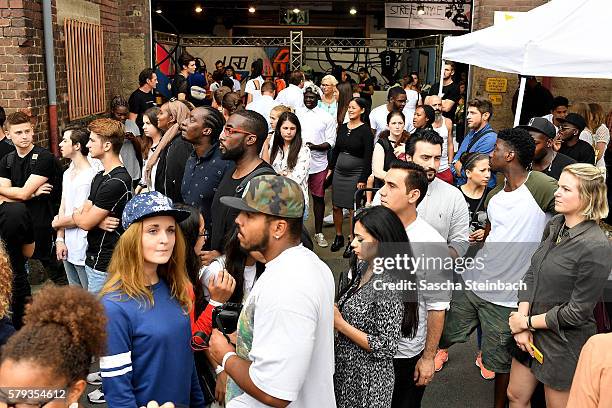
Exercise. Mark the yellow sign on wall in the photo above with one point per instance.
(496, 99)
(496, 85)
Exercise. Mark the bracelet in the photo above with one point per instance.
(219, 370)
(214, 303)
(59, 239)
(226, 357)
(529, 325)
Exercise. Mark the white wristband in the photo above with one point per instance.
(219, 370)
(226, 357)
(59, 240)
(214, 303)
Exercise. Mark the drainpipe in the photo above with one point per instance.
(50, 72)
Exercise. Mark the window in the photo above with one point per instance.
(85, 68)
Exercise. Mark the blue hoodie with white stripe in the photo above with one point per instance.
(149, 356)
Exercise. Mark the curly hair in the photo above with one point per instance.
(64, 328)
(521, 142)
(6, 281)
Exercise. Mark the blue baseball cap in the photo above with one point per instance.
(150, 204)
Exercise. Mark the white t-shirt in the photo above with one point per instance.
(250, 87)
(299, 173)
(317, 127)
(517, 223)
(263, 105)
(286, 328)
(378, 120)
(292, 96)
(423, 238)
(213, 269)
(443, 132)
(549, 118)
(445, 209)
(75, 192)
(236, 85)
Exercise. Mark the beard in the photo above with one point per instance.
(438, 115)
(260, 246)
(233, 154)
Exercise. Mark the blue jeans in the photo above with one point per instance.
(95, 280)
(76, 274)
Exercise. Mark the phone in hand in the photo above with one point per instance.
(537, 354)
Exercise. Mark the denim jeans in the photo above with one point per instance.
(95, 279)
(76, 274)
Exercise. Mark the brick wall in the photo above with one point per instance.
(575, 89)
(22, 64)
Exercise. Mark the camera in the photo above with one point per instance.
(224, 319)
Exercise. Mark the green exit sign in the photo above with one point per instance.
(293, 16)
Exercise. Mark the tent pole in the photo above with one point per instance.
(519, 102)
(441, 78)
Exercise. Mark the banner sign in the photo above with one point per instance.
(435, 16)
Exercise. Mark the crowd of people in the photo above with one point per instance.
(192, 278)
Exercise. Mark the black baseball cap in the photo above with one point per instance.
(574, 119)
(541, 125)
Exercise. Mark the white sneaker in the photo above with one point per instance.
(329, 220)
(94, 378)
(96, 397)
(320, 240)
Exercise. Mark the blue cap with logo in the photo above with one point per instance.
(150, 204)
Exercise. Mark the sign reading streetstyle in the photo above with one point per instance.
(439, 15)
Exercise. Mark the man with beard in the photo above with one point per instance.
(205, 168)
(284, 350)
(396, 101)
(443, 207)
(241, 141)
(480, 139)
(518, 211)
(319, 134)
(444, 127)
(571, 144)
(545, 159)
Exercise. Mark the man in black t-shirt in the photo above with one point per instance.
(450, 91)
(241, 141)
(366, 85)
(144, 97)
(571, 144)
(180, 84)
(26, 175)
(545, 159)
(6, 146)
(17, 232)
(110, 190)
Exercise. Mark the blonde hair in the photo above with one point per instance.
(598, 116)
(591, 190)
(281, 109)
(126, 269)
(583, 110)
(6, 281)
(332, 79)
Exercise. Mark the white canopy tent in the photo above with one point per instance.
(562, 38)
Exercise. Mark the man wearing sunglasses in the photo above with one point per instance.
(571, 144)
(241, 141)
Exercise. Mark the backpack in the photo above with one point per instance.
(55, 179)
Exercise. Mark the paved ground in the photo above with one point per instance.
(458, 385)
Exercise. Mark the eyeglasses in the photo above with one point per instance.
(228, 131)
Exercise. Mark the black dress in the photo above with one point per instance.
(352, 163)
